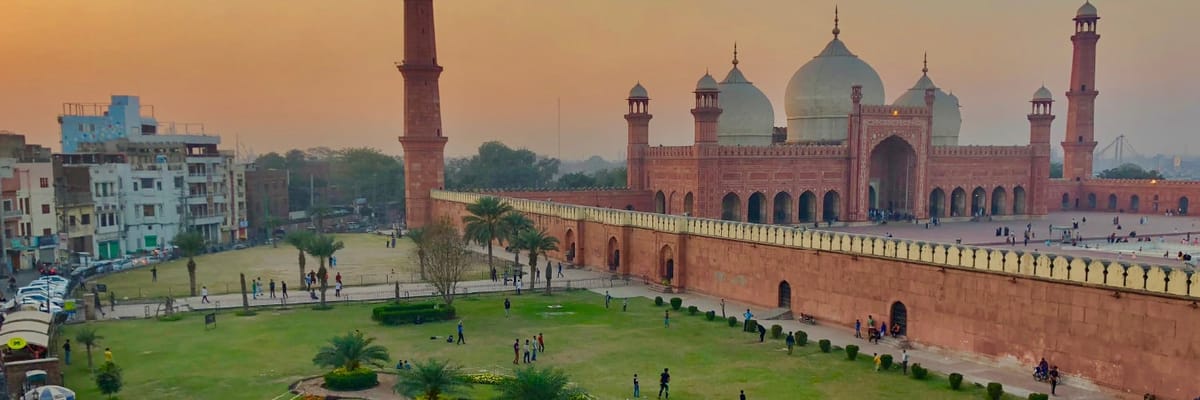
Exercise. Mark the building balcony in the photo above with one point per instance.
(207, 219)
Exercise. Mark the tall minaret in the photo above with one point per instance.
(1080, 140)
(706, 150)
(422, 140)
(1040, 117)
(639, 137)
(707, 110)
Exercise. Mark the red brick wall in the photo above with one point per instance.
(1153, 197)
(617, 199)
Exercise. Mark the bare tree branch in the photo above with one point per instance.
(446, 257)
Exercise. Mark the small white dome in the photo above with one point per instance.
(1086, 10)
(747, 118)
(817, 99)
(707, 82)
(638, 92)
(1043, 94)
(947, 118)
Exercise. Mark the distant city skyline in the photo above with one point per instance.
(298, 74)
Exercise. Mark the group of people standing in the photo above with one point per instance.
(875, 334)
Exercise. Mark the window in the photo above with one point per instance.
(85, 219)
(178, 182)
(46, 232)
(72, 220)
(147, 183)
(45, 208)
(44, 182)
(158, 185)
(148, 210)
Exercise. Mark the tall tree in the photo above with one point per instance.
(299, 239)
(191, 243)
(88, 337)
(350, 351)
(485, 223)
(368, 173)
(1130, 171)
(271, 160)
(514, 223)
(322, 247)
(419, 239)
(447, 257)
(433, 379)
(539, 383)
(537, 242)
(499, 166)
(108, 379)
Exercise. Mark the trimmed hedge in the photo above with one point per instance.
(710, 315)
(826, 346)
(750, 326)
(692, 310)
(776, 331)
(399, 314)
(995, 390)
(658, 301)
(732, 322)
(801, 338)
(919, 372)
(852, 352)
(359, 379)
(676, 303)
(1039, 396)
(956, 380)
(885, 361)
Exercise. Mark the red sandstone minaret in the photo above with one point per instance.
(639, 137)
(1080, 140)
(1040, 117)
(706, 149)
(707, 110)
(422, 141)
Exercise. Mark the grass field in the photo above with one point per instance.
(257, 357)
(364, 261)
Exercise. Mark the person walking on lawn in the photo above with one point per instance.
(791, 341)
(637, 390)
(664, 383)
(507, 307)
(904, 361)
(461, 340)
(534, 351)
(878, 361)
(746, 323)
(541, 343)
(516, 350)
(283, 287)
(667, 319)
(271, 285)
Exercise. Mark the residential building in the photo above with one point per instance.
(12, 145)
(95, 122)
(266, 198)
(154, 191)
(38, 224)
(90, 195)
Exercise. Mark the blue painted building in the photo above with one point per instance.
(94, 123)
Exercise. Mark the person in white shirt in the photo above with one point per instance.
(204, 295)
(904, 361)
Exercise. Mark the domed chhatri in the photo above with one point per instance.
(707, 83)
(1043, 94)
(747, 117)
(817, 99)
(1086, 10)
(947, 118)
(638, 92)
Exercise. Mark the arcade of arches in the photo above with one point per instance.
(1124, 202)
(807, 208)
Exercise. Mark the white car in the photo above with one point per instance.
(54, 308)
(41, 290)
(53, 279)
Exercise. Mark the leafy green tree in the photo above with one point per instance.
(322, 247)
(299, 239)
(191, 243)
(350, 351)
(1130, 171)
(613, 177)
(485, 223)
(537, 242)
(108, 379)
(576, 180)
(88, 337)
(498, 166)
(514, 223)
(433, 379)
(539, 383)
(271, 160)
(368, 173)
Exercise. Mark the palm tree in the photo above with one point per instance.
(537, 242)
(88, 338)
(299, 239)
(322, 247)
(191, 244)
(434, 379)
(538, 383)
(418, 237)
(513, 224)
(350, 352)
(485, 222)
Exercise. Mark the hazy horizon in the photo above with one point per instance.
(276, 75)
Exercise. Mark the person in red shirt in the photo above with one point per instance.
(541, 343)
(516, 350)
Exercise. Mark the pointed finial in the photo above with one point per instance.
(925, 64)
(735, 61)
(836, 31)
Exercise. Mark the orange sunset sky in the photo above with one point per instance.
(279, 74)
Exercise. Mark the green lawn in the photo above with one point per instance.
(365, 260)
(257, 357)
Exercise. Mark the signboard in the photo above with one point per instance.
(210, 319)
(100, 287)
(16, 343)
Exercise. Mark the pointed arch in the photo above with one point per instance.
(731, 207)
(1112, 202)
(937, 203)
(808, 207)
(1091, 201)
(978, 201)
(660, 203)
(1019, 206)
(958, 202)
(1134, 203)
(688, 204)
(782, 206)
(1066, 201)
(756, 209)
(785, 295)
(831, 206)
(999, 201)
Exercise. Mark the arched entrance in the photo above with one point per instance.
(999, 201)
(1183, 206)
(900, 317)
(872, 197)
(831, 207)
(1091, 201)
(808, 207)
(660, 203)
(1066, 201)
(1134, 203)
(614, 254)
(673, 202)
(893, 171)
(666, 265)
(731, 207)
(937, 203)
(1112, 202)
(1019, 200)
(783, 208)
(958, 202)
(978, 201)
(757, 208)
(687, 204)
(569, 239)
(785, 295)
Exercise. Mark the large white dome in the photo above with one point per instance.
(947, 119)
(818, 95)
(747, 118)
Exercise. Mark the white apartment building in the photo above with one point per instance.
(152, 201)
(108, 197)
(38, 223)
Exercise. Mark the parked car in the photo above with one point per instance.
(53, 279)
(32, 298)
(42, 290)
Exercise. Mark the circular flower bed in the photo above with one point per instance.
(348, 380)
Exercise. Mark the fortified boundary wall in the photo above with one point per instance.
(1129, 327)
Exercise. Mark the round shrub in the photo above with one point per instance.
(995, 390)
(956, 380)
(852, 352)
(487, 378)
(885, 361)
(692, 310)
(710, 315)
(825, 345)
(343, 380)
(776, 331)
(801, 338)
(1039, 396)
(732, 321)
(676, 303)
(658, 301)
(750, 326)
(919, 372)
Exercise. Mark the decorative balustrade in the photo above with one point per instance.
(981, 151)
(1078, 270)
